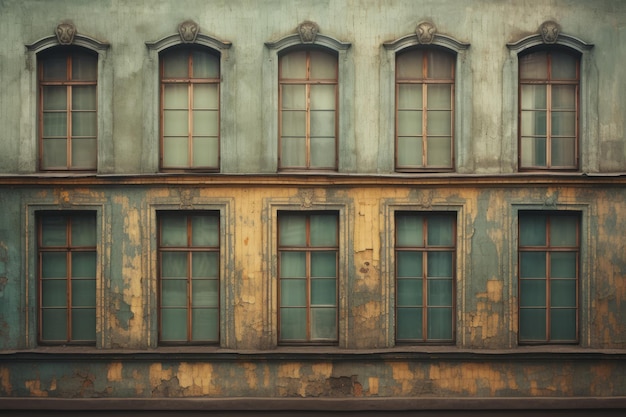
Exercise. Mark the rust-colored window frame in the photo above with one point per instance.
(549, 83)
(68, 249)
(190, 81)
(549, 249)
(68, 83)
(307, 82)
(190, 250)
(425, 249)
(308, 249)
(426, 81)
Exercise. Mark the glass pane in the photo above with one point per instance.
(563, 66)
(292, 324)
(293, 152)
(323, 124)
(205, 293)
(323, 291)
(533, 66)
(54, 324)
(323, 230)
(55, 68)
(84, 324)
(323, 323)
(175, 96)
(323, 264)
(439, 264)
(175, 63)
(440, 230)
(54, 229)
(322, 97)
(563, 123)
(174, 324)
(205, 231)
(55, 124)
(293, 97)
(84, 230)
(563, 324)
(534, 97)
(440, 323)
(564, 97)
(323, 152)
(409, 323)
(84, 97)
(174, 293)
(83, 293)
(175, 122)
(54, 265)
(205, 324)
(206, 123)
(84, 153)
(323, 65)
(532, 230)
(439, 97)
(534, 123)
(563, 265)
(532, 324)
(175, 152)
(439, 292)
(410, 96)
(205, 265)
(439, 122)
(292, 265)
(532, 265)
(563, 152)
(563, 231)
(439, 64)
(293, 65)
(409, 152)
(409, 292)
(206, 152)
(174, 231)
(55, 98)
(439, 151)
(83, 264)
(293, 123)
(293, 293)
(409, 264)
(409, 230)
(409, 65)
(173, 265)
(205, 65)
(206, 96)
(84, 124)
(409, 123)
(532, 293)
(292, 230)
(53, 293)
(563, 293)
(84, 67)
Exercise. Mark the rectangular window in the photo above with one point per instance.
(308, 110)
(67, 278)
(68, 110)
(189, 277)
(425, 250)
(190, 109)
(549, 251)
(308, 251)
(424, 110)
(548, 103)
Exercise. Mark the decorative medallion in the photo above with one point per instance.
(306, 198)
(549, 31)
(188, 31)
(425, 32)
(65, 33)
(186, 198)
(308, 31)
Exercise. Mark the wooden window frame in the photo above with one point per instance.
(425, 82)
(69, 83)
(189, 249)
(549, 249)
(307, 82)
(190, 81)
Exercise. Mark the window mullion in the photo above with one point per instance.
(424, 122)
(68, 279)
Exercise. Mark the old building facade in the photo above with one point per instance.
(351, 207)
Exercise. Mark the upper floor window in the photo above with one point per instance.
(190, 109)
(308, 125)
(424, 109)
(549, 81)
(68, 109)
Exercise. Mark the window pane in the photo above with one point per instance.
(84, 231)
(205, 230)
(439, 292)
(563, 231)
(563, 265)
(563, 123)
(292, 292)
(54, 293)
(205, 293)
(173, 231)
(409, 264)
(410, 96)
(175, 63)
(205, 65)
(323, 97)
(409, 323)
(533, 265)
(323, 65)
(205, 123)
(323, 323)
(440, 230)
(175, 122)
(173, 265)
(439, 97)
(439, 123)
(174, 324)
(564, 97)
(53, 231)
(173, 293)
(292, 230)
(323, 124)
(563, 66)
(175, 152)
(293, 123)
(323, 264)
(322, 152)
(83, 293)
(409, 152)
(84, 324)
(534, 152)
(293, 324)
(205, 152)
(293, 97)
(84, 67)
(439, 151)
(534, 66)
(440, 323)
(409, 292)
(292, 265)
(532, 293)
(175, 96)
(563, 324)
(205, 265)
(534, 97)
(83, 264)
(563, 293)
(323, 230)
(532, 230)
(54, 124)
(54, 265)
(409, 123)
(534, 123)
(84, 97)
(439, 264)
(205, 96)
(563, 152)
(323, 291)
(84, 153)
(532, 324)
(409, 65)
(54, 98)
(55, 68)
(439, 64)
(54, 324)
(293, 65)
(205, 324)
(409, 230)
(293, 152)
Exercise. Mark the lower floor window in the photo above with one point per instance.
(308, 248)
(189, 265)
(67, 277)
(425, 247)
(548, 277)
